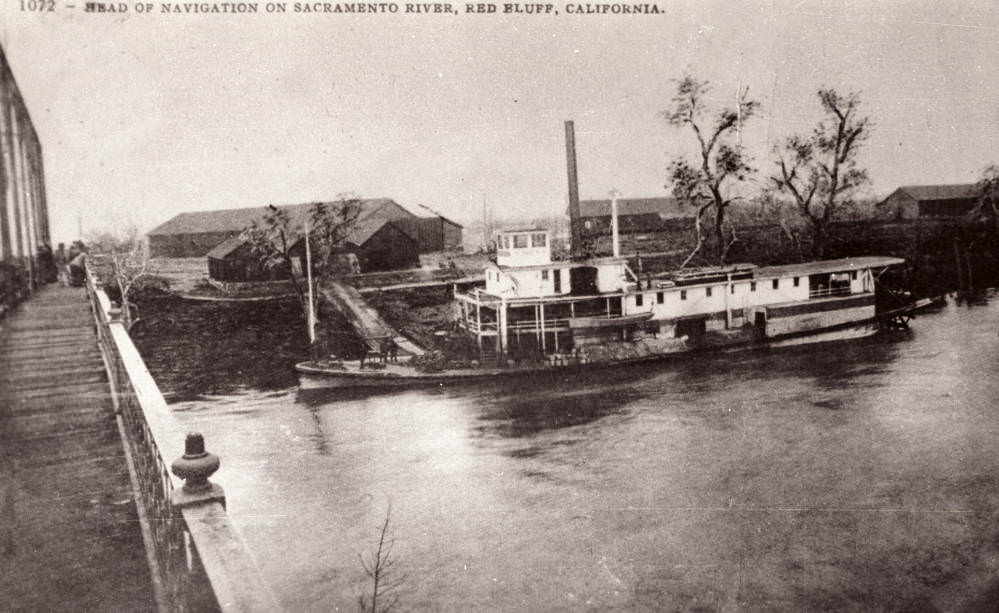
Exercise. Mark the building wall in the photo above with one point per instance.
(955, 207)
(186, 245)
(432, 233)
(631, 224)
(24, 224)
(388, 249)
(453, 235)
(240, 265)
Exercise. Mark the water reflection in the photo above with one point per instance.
(524, 415)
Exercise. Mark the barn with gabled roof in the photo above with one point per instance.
(931, 201)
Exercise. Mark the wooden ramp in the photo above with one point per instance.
(69, 539)
(365, 320)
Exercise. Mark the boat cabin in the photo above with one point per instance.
(533, 304)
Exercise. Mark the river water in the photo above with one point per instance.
(849, 476)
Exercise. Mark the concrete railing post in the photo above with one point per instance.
(114, 315)
(194, 467)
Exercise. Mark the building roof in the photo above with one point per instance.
(226, 247)
(923, 193)
(665, 208)
(432, 214)
(824, 266)
(236, 220)
(363, 230)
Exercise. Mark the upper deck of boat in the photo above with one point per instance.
(826, 266)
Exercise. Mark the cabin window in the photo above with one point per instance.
(508, 242)
(796, 281)
(707, 292)
(539, 240)
(752, 286)
(519, 241)
(853, 275)
(683, 294)
(659, 297)
(639, 299)
(544, 275)
(776, 283)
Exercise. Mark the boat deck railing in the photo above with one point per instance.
(825, 292)
(197, 559)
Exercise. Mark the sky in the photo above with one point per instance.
(143, 116)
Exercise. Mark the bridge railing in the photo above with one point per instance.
(197, 560)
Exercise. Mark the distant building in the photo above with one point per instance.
(378, 244)
(195, 234)
(634, 215)
(233, 260)
(24, 220)
(433, 233)
(930, 201)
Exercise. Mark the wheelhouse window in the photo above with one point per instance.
(639, 299)
(539, 239)
(519, 241)
(776, 283)
(659, 297)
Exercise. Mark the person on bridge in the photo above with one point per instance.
(393, 350)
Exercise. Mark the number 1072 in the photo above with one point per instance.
(38, 5)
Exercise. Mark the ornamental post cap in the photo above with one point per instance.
(196, 465)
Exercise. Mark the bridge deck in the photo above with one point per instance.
(69, 539)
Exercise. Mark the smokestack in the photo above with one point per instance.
(570, 156)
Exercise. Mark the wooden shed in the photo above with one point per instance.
(930, 201)
(234, 260)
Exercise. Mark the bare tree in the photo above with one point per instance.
(820, 172)
(708, 183)
(988, 200)
(122, 260)
(273, 237)
(380, 569)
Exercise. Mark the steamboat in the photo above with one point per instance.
(538, 314)
(584, 313)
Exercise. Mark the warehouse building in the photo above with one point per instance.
(24, 221)
(195, 234)
(635, 215)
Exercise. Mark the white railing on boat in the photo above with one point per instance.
(829, 291)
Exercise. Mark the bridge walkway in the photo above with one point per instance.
(69, 536)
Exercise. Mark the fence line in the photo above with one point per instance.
(197, 560)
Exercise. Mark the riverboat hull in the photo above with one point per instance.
(349, 375)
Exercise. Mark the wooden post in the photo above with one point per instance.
(959, 267)
(541, 307)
